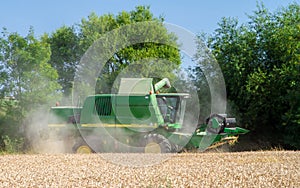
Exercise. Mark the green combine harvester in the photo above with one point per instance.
(137, 119)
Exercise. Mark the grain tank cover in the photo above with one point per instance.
(135, 86)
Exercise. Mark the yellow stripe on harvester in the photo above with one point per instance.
(117, 125)
(104, 125)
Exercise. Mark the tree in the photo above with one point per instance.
(136, 54)
(69, 46)
(65, 55)
(260, 63)
(30, 80)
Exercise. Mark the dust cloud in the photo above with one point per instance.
(39, 138)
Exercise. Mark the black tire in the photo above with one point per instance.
(156, 143)
(215, 130)
(177, 148)
(81, 147)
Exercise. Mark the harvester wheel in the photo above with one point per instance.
(82, 147)
(156, 143)
(177, 148)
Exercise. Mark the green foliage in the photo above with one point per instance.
(260, 61)
(30, 82)
(9, 121)
(65, 55)
(144, 56)
(12, 145)
(30, 79)
(68, 44)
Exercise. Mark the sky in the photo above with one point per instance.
(194, 15)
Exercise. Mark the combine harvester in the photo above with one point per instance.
(137, 119)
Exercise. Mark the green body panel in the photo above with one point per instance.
(121, 109)
(98, 106)
(136, 86)
(175, 125)
(204, 141)
(59, 115)
(137, 110)
(235, 131)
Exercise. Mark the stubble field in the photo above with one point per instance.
(241, 169)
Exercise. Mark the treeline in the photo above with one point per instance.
(260, 61)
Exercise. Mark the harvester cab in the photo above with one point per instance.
(172, 108)
(169, 107)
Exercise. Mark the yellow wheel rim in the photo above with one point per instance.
(83, 149)
(152, 147)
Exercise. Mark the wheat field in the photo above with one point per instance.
(240, 169)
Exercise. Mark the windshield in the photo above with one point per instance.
(171, 108)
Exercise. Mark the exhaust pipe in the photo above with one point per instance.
(163, 83)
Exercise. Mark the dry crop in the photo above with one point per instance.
(245, 169)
